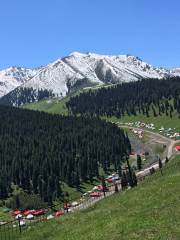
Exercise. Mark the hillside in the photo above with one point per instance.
(49, 106)
(47, 150)
(150, 211)
(153, 103)
(59, 107)
(130, 98)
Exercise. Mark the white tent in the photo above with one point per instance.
(70, 210)
(74, 204)
(30, 217)
(50, 217)
(18, 216)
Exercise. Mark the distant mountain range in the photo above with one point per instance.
(75, 71)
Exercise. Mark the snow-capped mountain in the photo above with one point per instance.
(96, 68)
(14, 77)
(77, 70)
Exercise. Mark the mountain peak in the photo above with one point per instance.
(77, 54)
(81, 69)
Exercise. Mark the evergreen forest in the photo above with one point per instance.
(39, 151)
(147, 96)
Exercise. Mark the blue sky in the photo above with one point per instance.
(36, 32)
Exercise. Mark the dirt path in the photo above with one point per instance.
(158, 138)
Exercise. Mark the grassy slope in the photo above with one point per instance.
(59, 106)
(50, 106)
(150, 211)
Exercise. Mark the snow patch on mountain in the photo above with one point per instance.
(14, 77)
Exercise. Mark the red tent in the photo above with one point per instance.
(95, 194)
(67, 205)
(27, 212)
(59, 213)
(39, 212)
(178, 148)
(110, 180)
(17, 212)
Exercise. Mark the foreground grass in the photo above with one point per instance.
(150, 211)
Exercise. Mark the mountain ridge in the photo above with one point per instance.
(62, 75)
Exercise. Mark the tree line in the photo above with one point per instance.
(39, 151)
(147, 96)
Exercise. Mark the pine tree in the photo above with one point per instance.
(167, 160)
(129, 175)
(44, 191)
(58, 188)
(124, 182)
(120, 171)
(104, 187)
(134, 179)
(139, 162)
(160, 165)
